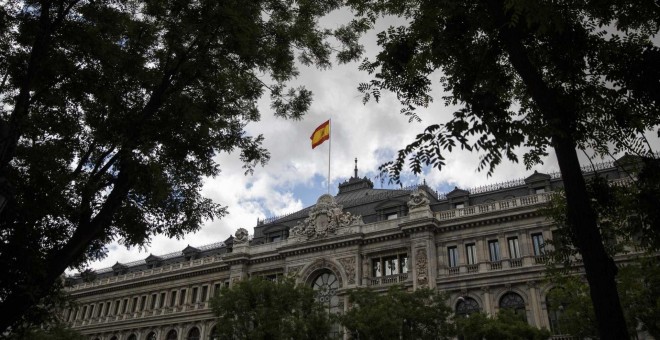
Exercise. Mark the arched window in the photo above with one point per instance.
(113, 338)
(151, 336)
(325, 286)
(213, 334)
(171, 335)
(515, 302)
(193, 334)
(132, 337)
(555, 307)
(466, 306)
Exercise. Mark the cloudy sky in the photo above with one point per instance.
(296, 174)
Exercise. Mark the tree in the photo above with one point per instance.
(262, 309)
(506, 325)
(638, 283)
(398, 314)
(112, 113)
(530, 75)
(627, 222)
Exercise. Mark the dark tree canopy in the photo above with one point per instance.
(113, 112)
(398, 314)
(530, 76)
(263, 309)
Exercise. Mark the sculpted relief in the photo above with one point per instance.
(325, 219)
(422, 267)
(418, 199)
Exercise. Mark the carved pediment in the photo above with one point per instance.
(325, 219)
(537, 177)
(457, 193)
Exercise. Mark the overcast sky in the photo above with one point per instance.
(296, 175)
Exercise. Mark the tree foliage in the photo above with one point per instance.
(506, 325)
(263, 309)
(638, 283)
(398, 314)
(113, 112)
(529, 76)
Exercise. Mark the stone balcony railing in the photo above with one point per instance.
(147, 272)
(490, 266)
(141, 314)
(491, 207)
(389, 279)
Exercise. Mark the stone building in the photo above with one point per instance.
(484, 246)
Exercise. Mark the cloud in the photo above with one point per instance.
(296, 174)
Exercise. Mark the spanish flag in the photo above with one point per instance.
(321, 134)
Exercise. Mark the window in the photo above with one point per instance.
(471, 253)
(153, 301)
(171, 335)
(143, 303)
(193, 334)
(132, 337)
(205, 293)
(107, 308)
(325, 289)
(389, 265)
(151, 336)
(494, 250)
(194, 294)
(135, 304)
(182, 297)
(216, 289)
(99, 312)
(466, 306)
(459, 205)
(514, 301)
(452, 257)
(83, 315)
(161, 302)
(125, 308)
(275, 238)
(116, 308)
(539, 190)
(556, 306)
(173, 298)
(514, 248)
(537, 242)
(392, 216)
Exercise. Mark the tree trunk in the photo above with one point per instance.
(599, 266)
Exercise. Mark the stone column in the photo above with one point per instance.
(486, 297)
(534, 302)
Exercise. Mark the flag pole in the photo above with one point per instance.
(329, 150)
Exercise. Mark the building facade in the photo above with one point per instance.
(485, 247)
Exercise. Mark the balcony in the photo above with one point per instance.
(387, 280)
(485, 208)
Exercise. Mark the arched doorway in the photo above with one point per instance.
(171, 335)
(515, 302)
(193, 334)
(466, 306)
(151, 336)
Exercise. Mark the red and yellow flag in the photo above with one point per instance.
(321, 134)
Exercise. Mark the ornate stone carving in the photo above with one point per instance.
(326, 218)
(422, 267)
(294, 270)
(349, 266)
(418, 199)
(241, 235)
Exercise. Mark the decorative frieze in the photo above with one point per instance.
(349, 266)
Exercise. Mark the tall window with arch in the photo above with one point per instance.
(325, 286)
(466, 306)
(193, 334)
(514, 302)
